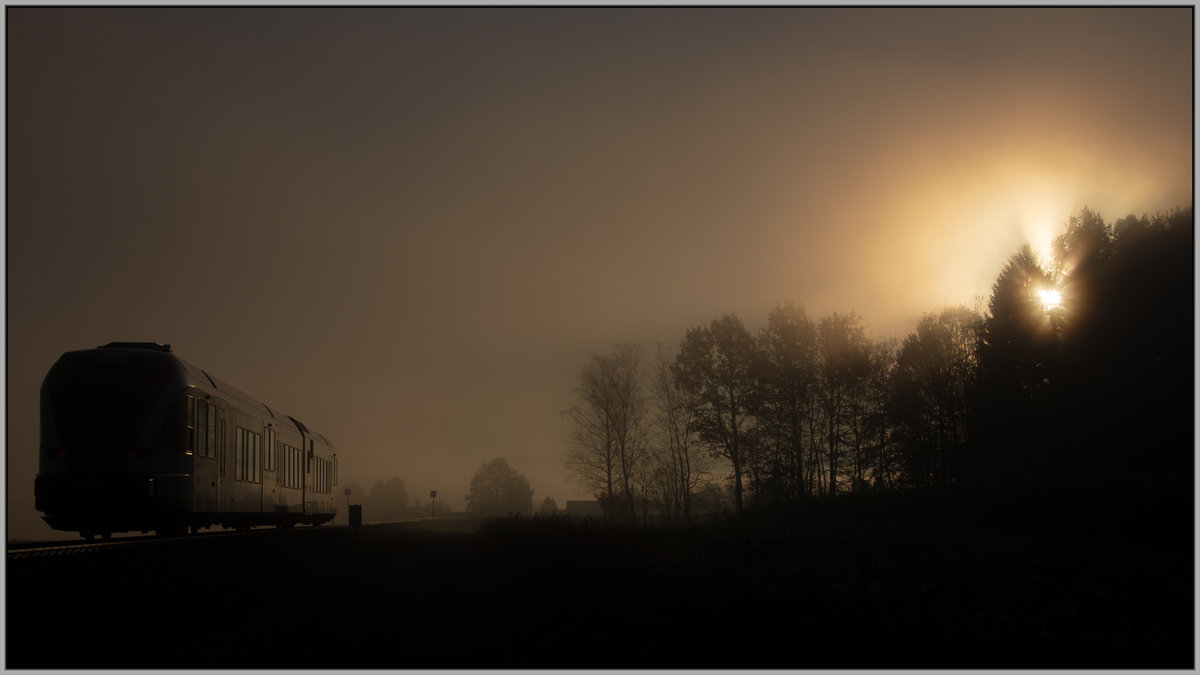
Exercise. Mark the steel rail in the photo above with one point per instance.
(36, 550)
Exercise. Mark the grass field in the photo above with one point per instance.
(1017, 578)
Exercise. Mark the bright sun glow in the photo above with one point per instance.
(1051, 298)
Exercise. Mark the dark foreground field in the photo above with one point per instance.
(1015, 579)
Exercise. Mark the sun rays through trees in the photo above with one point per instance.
(1079, 366)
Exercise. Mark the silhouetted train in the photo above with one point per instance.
(136, 439)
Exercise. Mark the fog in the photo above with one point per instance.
(409, 228)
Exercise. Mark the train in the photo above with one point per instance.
(134, 438)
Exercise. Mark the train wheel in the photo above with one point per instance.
(87, 534)
(106, 535)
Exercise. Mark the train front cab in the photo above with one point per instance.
(112, 452)
(134, 438)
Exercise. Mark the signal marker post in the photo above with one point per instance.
(433, 504)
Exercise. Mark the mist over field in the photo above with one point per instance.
(412, 228)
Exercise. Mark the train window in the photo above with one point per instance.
(237, 453)
(201, 428)
(210, 448)
(189, 443)
(269, 451)
(253, 476)
(245, 461)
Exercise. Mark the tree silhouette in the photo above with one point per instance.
(869, 426)
(715, 369)
(388, 500)
(1099, 380)
(498, 490)
(1149, 313)
(1102, 384)
(1017, 354)
(1127, 341)
(678, 466)
(936, 370)
(608, 443)
(786, 377)
(845, 364)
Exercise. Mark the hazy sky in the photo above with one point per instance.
(409, 228)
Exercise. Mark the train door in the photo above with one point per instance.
(305, 462)
(229, 471)
(222, 455)
(270, 456)
(204, 449)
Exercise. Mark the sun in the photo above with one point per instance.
(1050, 298)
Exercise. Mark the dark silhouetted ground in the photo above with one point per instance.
(1019, 578)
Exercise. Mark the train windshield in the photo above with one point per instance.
(100, 399)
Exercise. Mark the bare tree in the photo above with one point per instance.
(868, 412)
(608, 441)
(786, 379)
(715, 368)
(678, 466)
(845, 364)
(936, 368)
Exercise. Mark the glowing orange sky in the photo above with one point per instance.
(410, 227)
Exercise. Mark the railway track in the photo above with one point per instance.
(64, 548)
(68, 548)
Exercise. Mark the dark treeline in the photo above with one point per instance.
(1082, 368)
